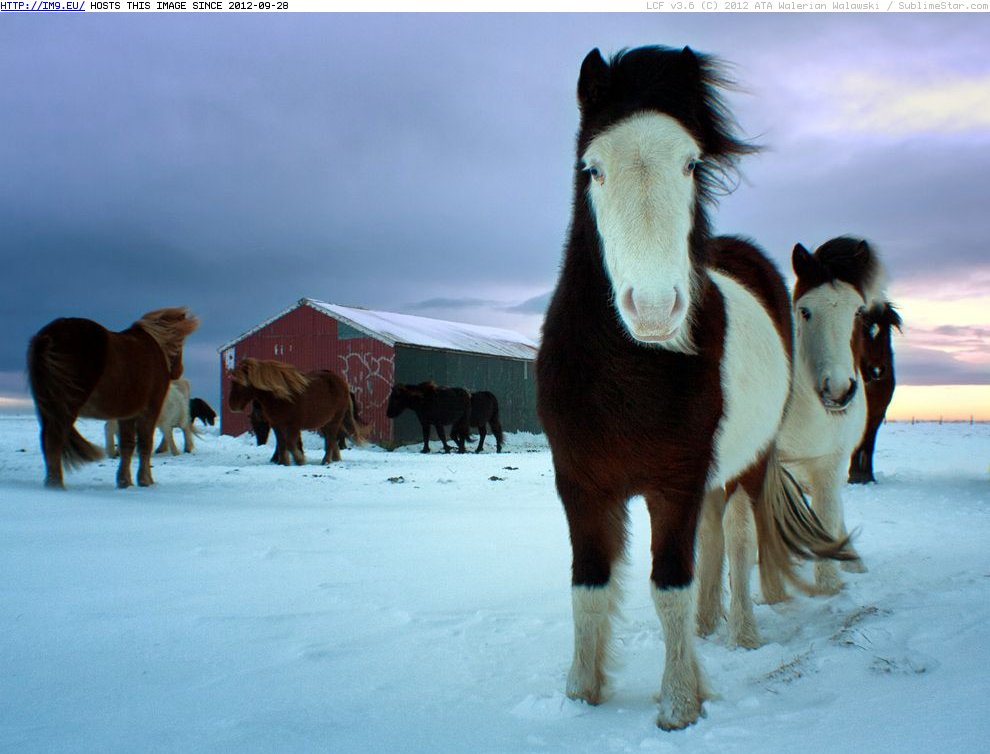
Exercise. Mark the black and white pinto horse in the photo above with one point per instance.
(824, 422)
(665, 361)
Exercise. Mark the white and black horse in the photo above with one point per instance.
(824, 422)
(665, 361)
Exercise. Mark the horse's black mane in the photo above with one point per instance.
(849, 260)
(884, 313)
(681, 83)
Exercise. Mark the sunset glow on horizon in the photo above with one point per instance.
(936, 402)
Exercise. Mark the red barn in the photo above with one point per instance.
(372, 350)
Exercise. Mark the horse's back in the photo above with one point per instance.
(326, 397)
(756, 365)
(134, 380)
(747, 264)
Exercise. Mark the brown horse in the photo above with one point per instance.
(665, 364)
(77, 367)
(876, 365)
(292, 401)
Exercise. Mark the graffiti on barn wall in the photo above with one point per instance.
(364, 371)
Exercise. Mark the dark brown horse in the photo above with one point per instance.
(665, 362)
(79, 368)
(434, 406)
(292, 401)
(876, 365)
(484, 415)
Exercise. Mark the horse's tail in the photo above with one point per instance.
(787, 527)
(57, 397)
(355, 429)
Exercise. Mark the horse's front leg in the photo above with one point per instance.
(110, 438)
(598, 532)
(827, 504)
(710, 559)
(127, 438)
(282, 441)
(425, 425)
(295, 443)
(145, 427)
(674, 522)
(481, 440)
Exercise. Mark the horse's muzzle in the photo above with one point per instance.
(837, 405)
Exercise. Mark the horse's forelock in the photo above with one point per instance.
(681, 83)
(851, 260)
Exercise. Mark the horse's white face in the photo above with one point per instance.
(826, 317)
(642, 192)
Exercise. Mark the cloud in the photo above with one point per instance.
(534, 305)
(450, 304)
(949, 103)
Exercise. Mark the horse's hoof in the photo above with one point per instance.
(54, 484)
(123, 484)
(425, 450)
(746, 636)
(679, 714)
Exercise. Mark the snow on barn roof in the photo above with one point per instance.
(411, 330)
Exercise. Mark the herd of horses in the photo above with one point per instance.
(674, 365)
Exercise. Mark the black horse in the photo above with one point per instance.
(434, 406)
(200, 409)
(484, 411)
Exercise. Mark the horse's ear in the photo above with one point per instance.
(803, 262)
(690, 62)
(594, 80)
(893, 318)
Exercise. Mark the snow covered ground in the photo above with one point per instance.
(404, 603)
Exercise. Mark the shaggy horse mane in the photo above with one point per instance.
(844, 259)
(284, 381)
(169, 327)
(884, 313)
(683, 83)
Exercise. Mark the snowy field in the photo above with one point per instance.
(405, 603)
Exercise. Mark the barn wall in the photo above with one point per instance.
(511, 380)
(309, 339)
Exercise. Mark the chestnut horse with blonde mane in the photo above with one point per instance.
(77, 367)
(291, 401)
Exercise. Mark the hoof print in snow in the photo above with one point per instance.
(494, 478)
(396, 479)
(510, 468)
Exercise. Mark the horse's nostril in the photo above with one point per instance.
(628, 302)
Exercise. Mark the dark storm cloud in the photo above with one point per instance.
(237, 164)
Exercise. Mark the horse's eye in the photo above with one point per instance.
(691, 165)
(596, 173)
(805, 314)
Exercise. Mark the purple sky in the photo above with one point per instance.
(422, 163)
